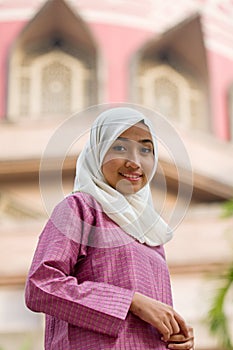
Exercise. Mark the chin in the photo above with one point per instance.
(128, 191)
(125, 187)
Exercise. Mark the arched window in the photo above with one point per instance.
(53, 66)
(49, 84)
(170, 75)
(173, 94)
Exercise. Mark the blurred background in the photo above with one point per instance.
(59, 57)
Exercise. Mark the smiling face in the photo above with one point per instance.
(129, 162)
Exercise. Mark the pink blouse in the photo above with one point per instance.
(84, 274)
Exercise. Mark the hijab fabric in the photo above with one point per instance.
(134, 213)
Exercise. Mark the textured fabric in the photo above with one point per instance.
(86, 291)
(134, 213)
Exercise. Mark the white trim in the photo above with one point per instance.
(212, 27)
(107, 17)
(13, 100)
(219, 48)
(211, 43)
(120, 19)
(17, 14)
(150, 23)
(147, 22)
(212, 12)
(35, 89)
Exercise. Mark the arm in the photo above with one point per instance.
(53, 289)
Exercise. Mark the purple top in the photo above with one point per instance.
(86, 290)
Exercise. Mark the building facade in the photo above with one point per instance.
(58, 58)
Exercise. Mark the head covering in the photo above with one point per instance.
(134, 213)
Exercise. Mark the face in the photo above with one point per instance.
(129, 162)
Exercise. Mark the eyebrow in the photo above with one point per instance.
(140, 141)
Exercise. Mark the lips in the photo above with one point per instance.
(132, 177)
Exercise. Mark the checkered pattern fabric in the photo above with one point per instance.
(84, 283)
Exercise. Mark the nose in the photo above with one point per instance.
(133, 161)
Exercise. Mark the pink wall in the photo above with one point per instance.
(221, 77)
(8, 32)
(117, 45)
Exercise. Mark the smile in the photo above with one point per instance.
(132, 177)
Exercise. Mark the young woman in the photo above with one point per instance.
(99, 271)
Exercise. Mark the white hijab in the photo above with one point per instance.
(134, 213)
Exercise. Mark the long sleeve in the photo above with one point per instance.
(52, 286)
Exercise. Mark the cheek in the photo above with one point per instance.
(110, 167)
(106, 168)
(148, 167)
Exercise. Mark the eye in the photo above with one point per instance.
(119, 148)
(146, 150)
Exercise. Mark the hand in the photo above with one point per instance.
(180, 342)
(161, 316)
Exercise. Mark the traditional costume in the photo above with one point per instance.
(98, 248)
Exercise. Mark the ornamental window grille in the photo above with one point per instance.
(48, 85)
(56, 82)
(173, 94)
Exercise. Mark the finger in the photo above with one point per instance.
(176, 338)
(175, 326)
(168, 325)
(180, 347)
(183, 327)
(187, 345)
(165, 331)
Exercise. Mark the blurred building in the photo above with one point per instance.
(59, 57)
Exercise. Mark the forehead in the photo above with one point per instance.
(137, 132)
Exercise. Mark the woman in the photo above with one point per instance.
(99, 271)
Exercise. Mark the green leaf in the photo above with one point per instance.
(217, 320)
(228, 209)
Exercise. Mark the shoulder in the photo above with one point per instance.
(81, 204)
(74, 211)
(84, 200)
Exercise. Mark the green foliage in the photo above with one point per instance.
(217, 319)
(228, 209)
